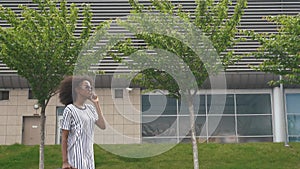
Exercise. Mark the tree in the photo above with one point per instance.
(215, 22)
(280, 50)
(42, 46)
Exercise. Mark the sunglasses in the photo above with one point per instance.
(86, 87)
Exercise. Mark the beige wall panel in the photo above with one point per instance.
(98, 139)
(13, 130)
(51, 120)
(53, 101)
(51, 111)
(13, 100)
(108, 109)
(24, 109)
(118, 119)
(22, 100)
(4, 102)
(107, 100)
(3, 120)
(12, 110)
(109, 118)
(108, 92)
(20, 92)
(14, 120)
(132, 140)
(3, 130)
(11, 140)
(50, 139)
(108, 139)
(31, 102)
(118, 139)
(119, 128)
(3, 110)
(50, 130)
(2, 140)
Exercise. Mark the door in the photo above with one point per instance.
(31, 130)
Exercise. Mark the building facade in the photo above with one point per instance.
(20, 121)
(251, 110)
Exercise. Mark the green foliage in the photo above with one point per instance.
(211, 17)
(41, 43)
(216, 22)
(281, 50)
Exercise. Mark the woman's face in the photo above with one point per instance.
(85, 89)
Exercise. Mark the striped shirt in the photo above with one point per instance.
(81, 124)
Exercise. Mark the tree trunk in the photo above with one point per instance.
(193, 132)
(42, 143)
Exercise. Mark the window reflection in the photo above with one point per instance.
(199, 105)
(221, 125)
(158, 104)
(184, 126)
(292, 103)
(238, 118)
(293, 116)
(294, 124)
(161, 126)
(253, 104)
(254, 125)
(220, 104)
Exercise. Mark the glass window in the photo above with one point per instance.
(158, 104)
(118, 93)
(4, 95)
(253, 104)
(293, 103)
(221, 125)
(233, 118)
(294, 139)
(254, 125)
(293, 116)
(159, 126)
(30, 94)
(184, 126)
(199, 105)
(294, 124)
(221, 104)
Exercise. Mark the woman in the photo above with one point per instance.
(78, 122)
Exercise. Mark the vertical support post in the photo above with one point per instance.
(278, 116)
(286, 142)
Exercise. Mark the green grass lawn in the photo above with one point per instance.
(212, 156)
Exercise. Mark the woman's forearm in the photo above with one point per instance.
(100, 122)
(64, 147)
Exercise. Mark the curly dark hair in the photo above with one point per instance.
(67, 94)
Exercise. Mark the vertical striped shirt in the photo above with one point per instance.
(80, 123)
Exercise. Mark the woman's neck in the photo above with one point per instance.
(79, 103)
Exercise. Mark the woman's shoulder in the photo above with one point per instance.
(69, 108)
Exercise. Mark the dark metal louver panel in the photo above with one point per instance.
(253, 19)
